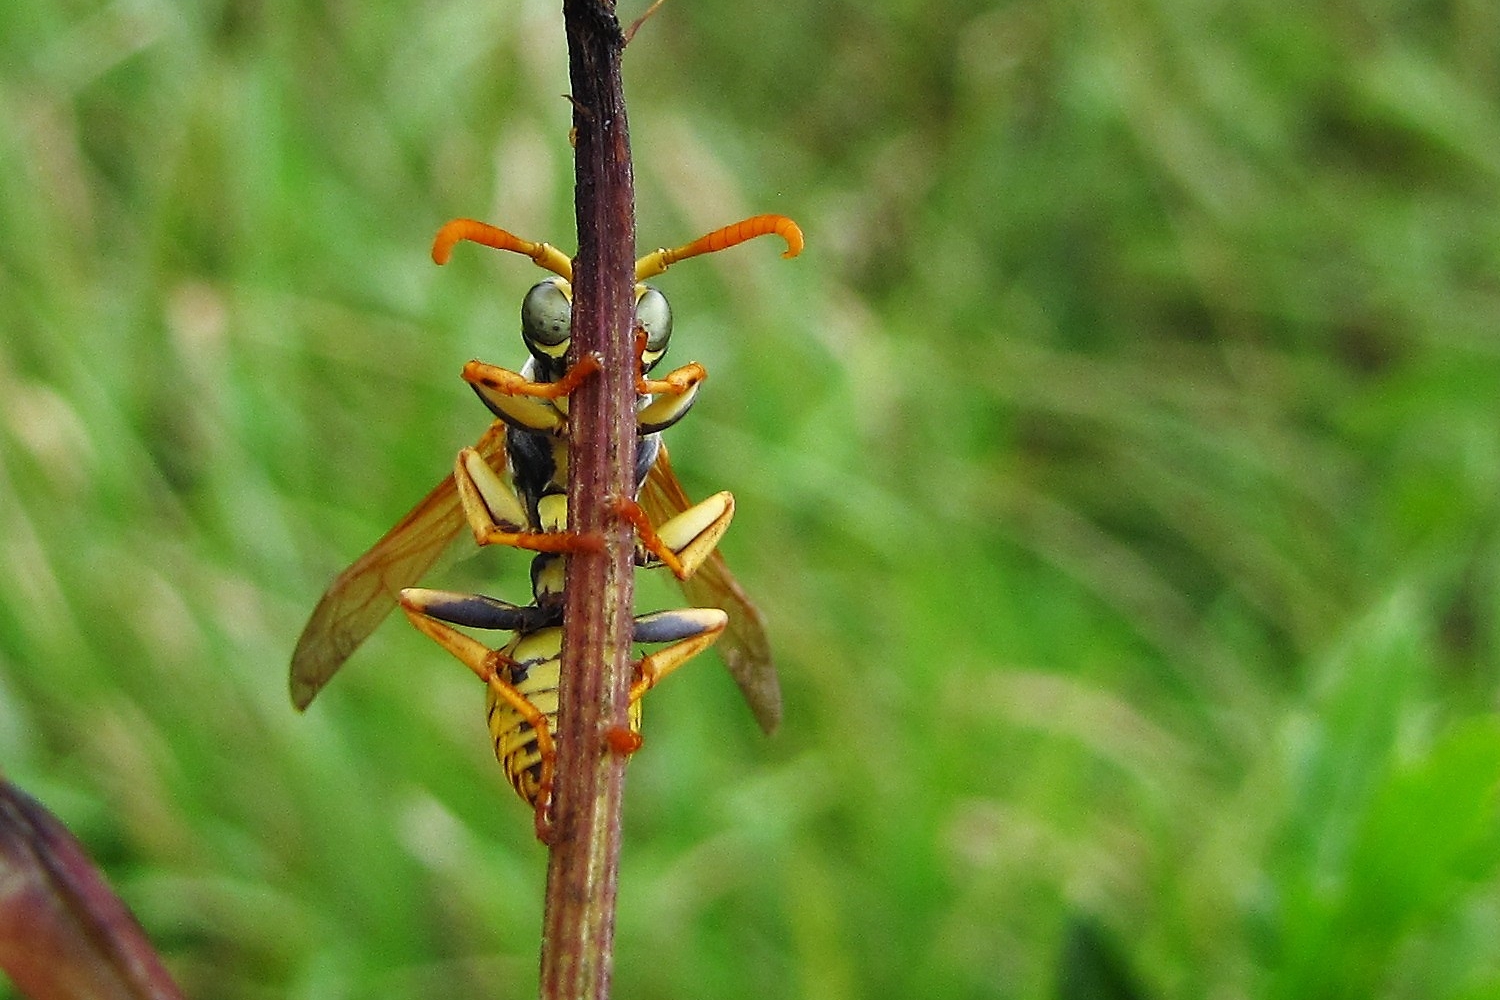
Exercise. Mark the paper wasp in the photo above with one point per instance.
(528, 441)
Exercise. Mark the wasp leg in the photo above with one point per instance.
(498, 386)
(677, 381)
(689, 630)
(484, 661)
(496, 515)
(523, 403)
(546, 749)
(694, 533)
(623, 740)
(490, 666)
(478, 611)
(683, 542)
(676, 394)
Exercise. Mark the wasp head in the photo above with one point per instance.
(547, 318)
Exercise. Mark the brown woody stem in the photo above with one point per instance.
(582, 878)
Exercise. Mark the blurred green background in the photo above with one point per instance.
(1117, 468)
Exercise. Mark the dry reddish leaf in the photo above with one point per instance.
(64, 934)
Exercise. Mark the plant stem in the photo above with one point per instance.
(582, 877)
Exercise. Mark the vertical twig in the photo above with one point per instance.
(582, 878)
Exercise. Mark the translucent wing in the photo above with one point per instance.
(360, 597)
(744, 646)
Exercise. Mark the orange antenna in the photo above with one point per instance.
(544, 255)
(655, 263)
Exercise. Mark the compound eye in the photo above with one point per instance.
(654, 316)
(547, 314)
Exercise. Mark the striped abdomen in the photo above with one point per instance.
(514, 726)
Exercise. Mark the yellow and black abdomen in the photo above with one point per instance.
(524, 730)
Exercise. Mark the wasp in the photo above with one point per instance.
(527, 446)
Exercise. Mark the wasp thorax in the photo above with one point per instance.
(547, 316)
(653, 315)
